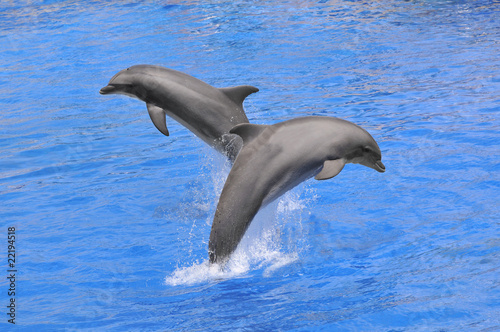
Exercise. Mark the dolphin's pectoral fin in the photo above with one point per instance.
(238, 93)
(248, 131)
(330, 169)
(157, 115)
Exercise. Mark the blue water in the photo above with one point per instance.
(112, 218)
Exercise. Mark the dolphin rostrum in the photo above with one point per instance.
(276, 158)
(207, 111)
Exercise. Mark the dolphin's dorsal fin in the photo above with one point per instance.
(330, 169)
(248, 131)
(238, 93)
(158, 116)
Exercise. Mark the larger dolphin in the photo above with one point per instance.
(276, 158)
(205, 110)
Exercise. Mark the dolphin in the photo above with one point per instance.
(207, 111)
(276, 158)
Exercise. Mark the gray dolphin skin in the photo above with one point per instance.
(276, 158)
(207, 111)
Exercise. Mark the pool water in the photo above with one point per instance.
(112, 219)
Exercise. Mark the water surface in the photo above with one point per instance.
(113, 219)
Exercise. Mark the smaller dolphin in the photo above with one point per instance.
(276, 158)
(205, 110)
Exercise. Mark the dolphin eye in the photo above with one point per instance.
(366, 149)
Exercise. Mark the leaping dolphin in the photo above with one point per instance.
(205, 110)
(276, 158)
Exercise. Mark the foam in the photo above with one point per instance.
(268, 245)
(274, 239)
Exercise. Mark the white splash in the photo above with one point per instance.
(274, 239)
(268, 245)
(198, 273)
(239, 265)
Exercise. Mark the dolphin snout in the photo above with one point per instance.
(107, 89)
(379, 166)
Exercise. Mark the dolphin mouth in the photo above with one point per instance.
(379, 166)
(107, 89)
